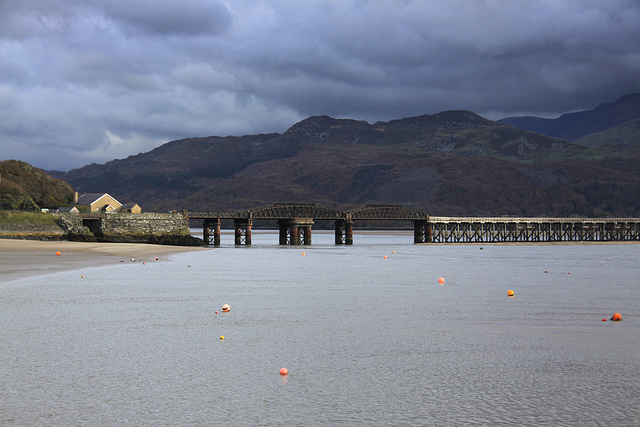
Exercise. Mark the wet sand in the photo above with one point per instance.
(25, 258)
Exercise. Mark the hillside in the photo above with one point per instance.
(573, 126)
(624, 135)
(451, 163)
(25, 187)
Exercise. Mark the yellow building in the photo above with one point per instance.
(98, 202)
(131, 208)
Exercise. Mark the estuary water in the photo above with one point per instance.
(366, 340)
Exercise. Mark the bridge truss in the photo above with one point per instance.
(295, 221)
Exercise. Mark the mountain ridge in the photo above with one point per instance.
(450, 163)
(577, 125)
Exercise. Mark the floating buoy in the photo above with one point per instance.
(385, 257)
(393, 252)
(616, 317)
(58, 254)
(221, 337)
(82, 277)
(481, 248)
(441, 280)
(283, 371)
(604, 320)
(144, 263)
(510, 293)
(303, 253)
(133, 260)
(156, 258)
(226, 308)
(546, 271)
(216, 312)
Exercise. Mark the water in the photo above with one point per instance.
(366, 340)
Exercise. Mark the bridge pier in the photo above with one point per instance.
(422, 231)
(206, 232)
(344, 232)
(295, 231)
(243, 231)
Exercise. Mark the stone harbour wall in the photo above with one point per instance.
(123, 224)
(158, 228)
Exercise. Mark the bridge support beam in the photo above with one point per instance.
(344, 232)
(422, 231)
(243, 231)
(206, 232)
(295, 231)
(216, 233)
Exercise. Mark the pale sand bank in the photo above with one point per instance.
(24, 258)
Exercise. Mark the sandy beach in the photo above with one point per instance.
(24, 258)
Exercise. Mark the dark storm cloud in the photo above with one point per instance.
(88, 81)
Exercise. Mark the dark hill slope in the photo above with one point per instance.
(451, 163)
(25, 187)
(574, 126)
(623, 136)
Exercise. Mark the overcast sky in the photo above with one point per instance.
(85, 81)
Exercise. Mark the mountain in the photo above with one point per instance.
(624, 135)
(573, 126)
(25, 187)
(450, 163)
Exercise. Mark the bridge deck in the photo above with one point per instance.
(428, 229)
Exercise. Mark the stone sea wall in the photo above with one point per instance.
(158, 228)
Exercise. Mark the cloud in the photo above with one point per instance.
(88, 81)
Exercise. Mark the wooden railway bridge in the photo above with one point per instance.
(295, 221)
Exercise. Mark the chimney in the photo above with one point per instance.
(75, 198)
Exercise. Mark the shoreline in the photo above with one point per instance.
(28, 258)
(21, 258)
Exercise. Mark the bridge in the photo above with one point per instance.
(295, 221)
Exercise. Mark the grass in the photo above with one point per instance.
(27, 218)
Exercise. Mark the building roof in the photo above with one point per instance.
(90, 198)
(67, 209)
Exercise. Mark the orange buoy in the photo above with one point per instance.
(385, 257)
(156, 258)
(216, 312)
(303, 253)
(604, 320)
(58, 254)
(510, 293)
(226, 308)
(441, 280)
(283, 371)
(616, 317)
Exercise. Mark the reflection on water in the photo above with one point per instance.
(366, 340)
